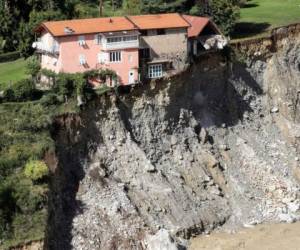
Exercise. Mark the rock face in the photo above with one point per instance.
(151, 168)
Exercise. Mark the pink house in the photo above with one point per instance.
(135, 47)
(80, 45)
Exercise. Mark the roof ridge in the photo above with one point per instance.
(128, 18)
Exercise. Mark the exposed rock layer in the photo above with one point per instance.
(216, 146)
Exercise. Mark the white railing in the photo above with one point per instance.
(39, 46)
(121, 45)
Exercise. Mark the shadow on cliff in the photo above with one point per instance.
(215, 96)
(73, 141)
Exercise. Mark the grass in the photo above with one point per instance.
(260, 16)
(12, 71)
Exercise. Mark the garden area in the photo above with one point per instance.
(258, 17)
(12, 71)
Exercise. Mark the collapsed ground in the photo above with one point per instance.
(214, 147)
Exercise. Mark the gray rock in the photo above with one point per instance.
(203, 135)
(160, 241)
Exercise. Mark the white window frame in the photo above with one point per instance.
(114, 39)
(98, 39)
(155, 71)
(81, 40)
(102, 57)
(121, 39)
(82, 59)
(115, 56)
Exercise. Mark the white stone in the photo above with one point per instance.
(275, 110)
(160, 241)
(150, 167)
(286, 218)
(294, 207)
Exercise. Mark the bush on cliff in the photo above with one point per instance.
(20, 91)
(36, 170)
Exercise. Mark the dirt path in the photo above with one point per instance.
(262, 237)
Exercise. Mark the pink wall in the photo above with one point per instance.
(70, 50)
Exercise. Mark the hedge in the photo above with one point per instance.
(9, 56)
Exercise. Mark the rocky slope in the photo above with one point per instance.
(213, 147)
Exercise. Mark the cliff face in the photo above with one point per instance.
(216, 146)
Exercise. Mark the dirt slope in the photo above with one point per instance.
(262, 237)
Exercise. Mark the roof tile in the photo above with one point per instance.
(87, 26)
(159, 21)
(197, 24)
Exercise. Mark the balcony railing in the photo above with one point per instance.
(121, 45)
(42, 48)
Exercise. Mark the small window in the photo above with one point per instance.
(82, 60)
(155, 71)
(114, 39)
(102, 57)
(144, 53)
(81, 40)
(129, 38)
(98, 39)
(130, 58)
(152, 32)
(144, 32)
(115, 56)
(161, 32)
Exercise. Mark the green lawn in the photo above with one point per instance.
(259, 16)
(12, 71)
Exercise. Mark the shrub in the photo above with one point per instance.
(20, 91)
(49, 99)
(64, 84)
(9, 56)
(36, 170)
(33, 66)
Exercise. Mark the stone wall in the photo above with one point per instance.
(171, 46)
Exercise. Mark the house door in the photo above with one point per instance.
(131, 77)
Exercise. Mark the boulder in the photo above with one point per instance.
(162, 240)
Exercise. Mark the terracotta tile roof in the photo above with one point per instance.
(98, 25)
(87, 26)
(159, 21)
(197, 24)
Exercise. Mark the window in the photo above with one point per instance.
(155, 71)
(120, 39)
(161, 32)
(129, 38)
(115, 56)
(144, 53)
(102, 57)
(98, 39)
(114, 39)
(82, 60)
(152, 32)
(144, 32)
(81, 40)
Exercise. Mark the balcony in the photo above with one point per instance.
(122, 44)
(42, 48)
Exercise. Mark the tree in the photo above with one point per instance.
(101, 7)
(225, 13)
(132, 7)
(162, 6)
